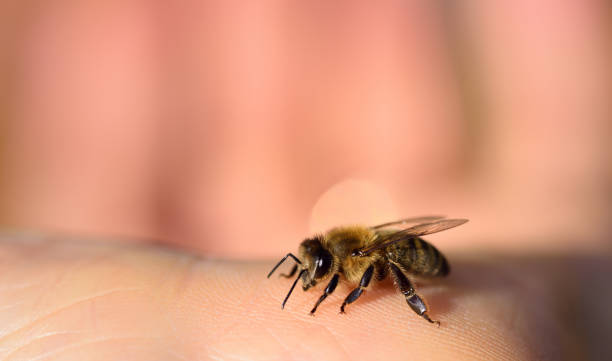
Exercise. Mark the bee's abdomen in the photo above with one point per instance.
(418, 257)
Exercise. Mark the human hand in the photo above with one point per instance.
(65, 299)
(379, 128)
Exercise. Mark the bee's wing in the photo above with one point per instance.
(416, 231)
(422, 219)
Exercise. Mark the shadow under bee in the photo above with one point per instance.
(562, 298)
(529, 291)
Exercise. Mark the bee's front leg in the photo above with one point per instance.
(291, 273)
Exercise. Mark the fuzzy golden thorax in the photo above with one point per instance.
(342, 241)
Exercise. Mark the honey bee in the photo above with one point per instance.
(360, 253)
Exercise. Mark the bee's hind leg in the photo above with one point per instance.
(414, 301)
(331, 286)
(354, 295)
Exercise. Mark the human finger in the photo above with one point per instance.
(66, 299)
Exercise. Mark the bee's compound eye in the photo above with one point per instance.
(323, 261)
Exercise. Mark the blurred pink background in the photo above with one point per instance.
(237, 128)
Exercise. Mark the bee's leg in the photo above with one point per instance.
(354, 295)
(331, 286)
(293, 270)
(283, 260)
(414, 301)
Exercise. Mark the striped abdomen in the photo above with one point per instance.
(418, 257)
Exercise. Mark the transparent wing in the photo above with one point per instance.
(422, 219)
(416, 231)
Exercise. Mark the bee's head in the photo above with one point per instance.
(316, 260)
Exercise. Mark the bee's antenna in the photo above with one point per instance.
(283, 260)
(292, 287)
